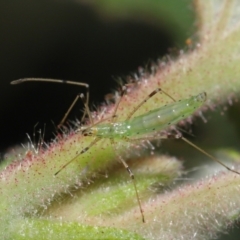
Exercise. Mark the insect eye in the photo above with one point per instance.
(87, 133)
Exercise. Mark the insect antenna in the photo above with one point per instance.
(22, 80)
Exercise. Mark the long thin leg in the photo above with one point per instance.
(117, 104)
(83, 151)
(131, 175)
(68, 111)
(209, 155)
(87, 110)
(22, 80)
(113, 118)
(146, 99)
(91, 144)
(179, 136)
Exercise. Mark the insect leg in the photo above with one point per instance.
(131, 175)
(87, 110)
(113, 119)
(83, 151)
(157, 90)
(69, 110)
(117, 104)
(208, 155)
(179, 136)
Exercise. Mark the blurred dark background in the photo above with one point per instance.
(82, 41)
(75, 41)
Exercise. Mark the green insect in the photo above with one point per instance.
(143, 127)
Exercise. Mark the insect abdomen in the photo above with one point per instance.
(163, 117)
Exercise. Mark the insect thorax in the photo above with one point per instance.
(112, 130)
